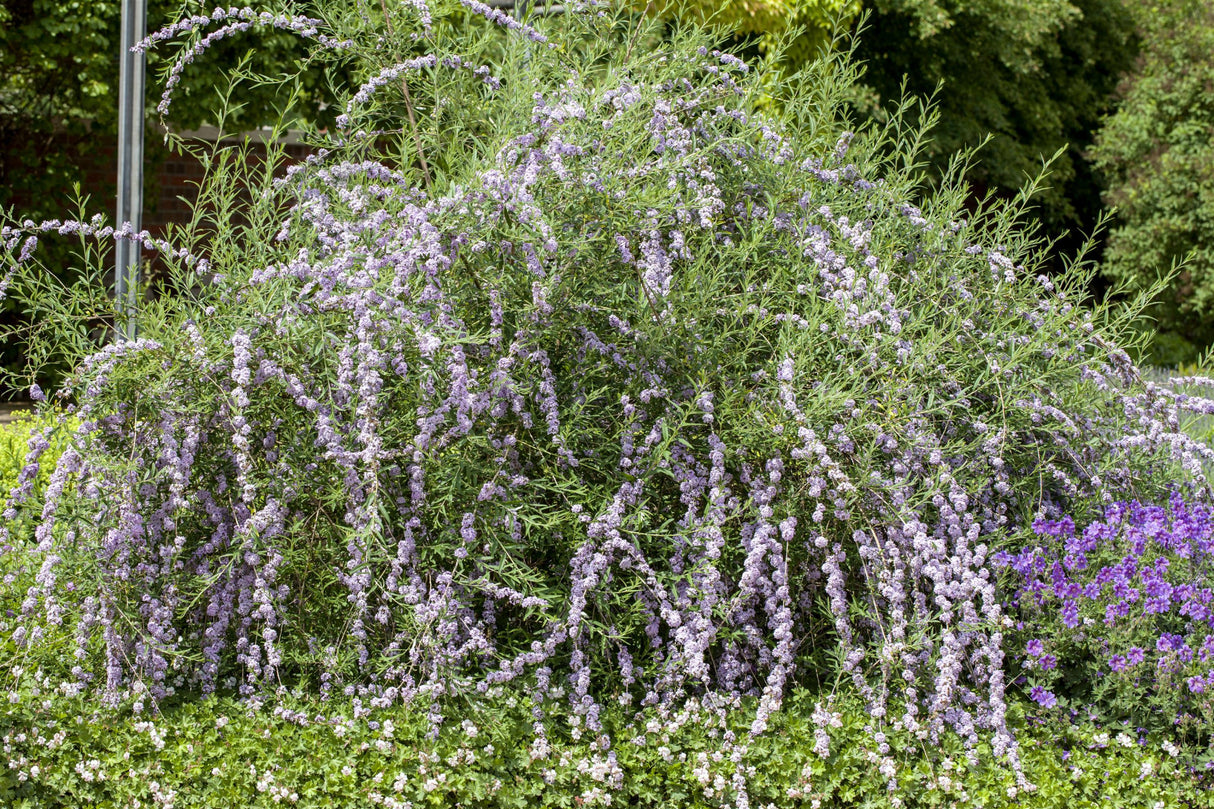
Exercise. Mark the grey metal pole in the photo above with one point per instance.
(131, 70)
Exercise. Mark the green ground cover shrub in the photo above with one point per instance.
(591, 374)
(220, 752)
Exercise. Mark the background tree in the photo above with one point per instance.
(1157, 153)
(1034, 74)
(763, 21)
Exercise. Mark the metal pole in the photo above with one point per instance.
(131, 70)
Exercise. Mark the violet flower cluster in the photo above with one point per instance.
(230, 21)
(1132, 593)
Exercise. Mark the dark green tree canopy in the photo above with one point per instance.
(1034, 75)
(1157, 153)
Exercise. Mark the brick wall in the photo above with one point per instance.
(173, 184)
(170, 179)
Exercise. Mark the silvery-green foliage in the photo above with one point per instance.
(581, 372)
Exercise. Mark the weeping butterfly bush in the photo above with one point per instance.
(593, 371)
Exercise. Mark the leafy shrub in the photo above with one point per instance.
(814, 22)
(1155, 152)
(219, 752)
(605, 382)
(1122, 614)
(1045, 79)
(25, 433)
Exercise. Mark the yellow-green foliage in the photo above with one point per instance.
(771, 19)
(14, 446)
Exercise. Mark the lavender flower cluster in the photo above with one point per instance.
(658, 395)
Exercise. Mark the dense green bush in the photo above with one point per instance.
(26, 432)
(763, 24)
(590, 372)
(14, 446)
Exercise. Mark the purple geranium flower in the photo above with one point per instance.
(1042, 697)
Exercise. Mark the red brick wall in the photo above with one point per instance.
(170, 181)
(171, 189)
